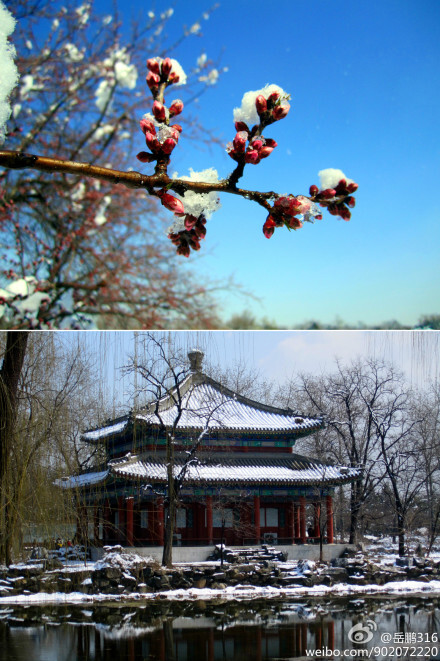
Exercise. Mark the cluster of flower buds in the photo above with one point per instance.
(284, 212)
(190, 237)
(248, 147)
(338, 200)
(160, 72)
(272, 109)
(161, 142)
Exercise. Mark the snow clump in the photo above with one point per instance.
(115, 556)
(247, 112)
(331, 177)
(197, 204)
(8, 69)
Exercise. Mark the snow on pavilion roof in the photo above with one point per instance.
(206, 404)
(226, 469)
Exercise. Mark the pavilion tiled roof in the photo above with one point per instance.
(207, 404)
(226, 469)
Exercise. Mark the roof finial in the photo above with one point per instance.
(195, 360)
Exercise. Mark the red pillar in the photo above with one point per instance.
(291, 521)
(121, 510)
(106, 523)
(160, 515)
(302, 519)
(329, 520)
(297, 526)
(209, 519)
(257, 517)
(331, 634)
(317, 519)
(129, 520)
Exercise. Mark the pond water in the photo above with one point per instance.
(223, 631)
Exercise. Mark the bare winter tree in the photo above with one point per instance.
(77, 250)
(402, 444)
(52, 393)
(345, 398)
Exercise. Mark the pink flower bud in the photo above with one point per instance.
(241, 126)
(280, 111)
(153, 65)
(152, 80)
(166, 67)
(172, 203)
(177, 127)
(313, 190)
(350, 201)
(328, 193)
(257, 144)
(273, 98)
(260, 104)
(184, 250)
(269, 227)
(352, 188)
(344, 212)
(271, 143)
(190, 221)
(265, 151)
(295, 223)
(200, 229)
(168, 145)
(147, 125)
(176, 107)
(159, 111)
(252, 157)
(152, 142)
(145, 157)
(173, 78)
(239, 142)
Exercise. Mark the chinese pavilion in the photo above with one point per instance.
(246, 486)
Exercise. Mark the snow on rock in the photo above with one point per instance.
(331, 177)
(8, 69)
(116, 557)
(247, 112)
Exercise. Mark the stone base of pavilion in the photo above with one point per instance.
(201, 553)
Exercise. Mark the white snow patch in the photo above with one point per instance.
(247, 112)
(331, 177)
(100, 217)
(8, 69)
(197, 203)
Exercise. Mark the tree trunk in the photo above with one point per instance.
(354, 513)
(401, 534)
(16, 343)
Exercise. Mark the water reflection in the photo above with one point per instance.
(201, 631)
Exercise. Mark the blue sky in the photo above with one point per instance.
(364, 83)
